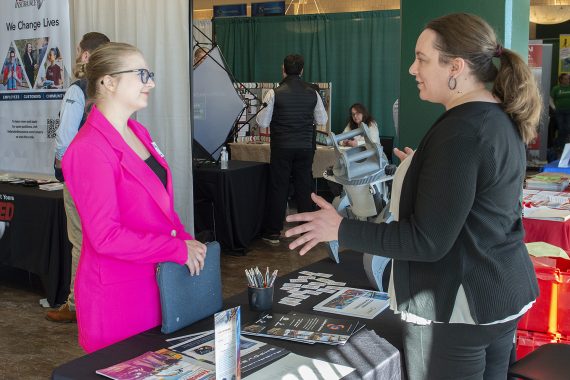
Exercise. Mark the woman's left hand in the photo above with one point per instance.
(320, 226)
(196, 255)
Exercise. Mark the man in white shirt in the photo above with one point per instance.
(72, 116)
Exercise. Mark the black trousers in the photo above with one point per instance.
(458, 351)
(284, 164)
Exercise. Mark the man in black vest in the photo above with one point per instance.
(292, 110)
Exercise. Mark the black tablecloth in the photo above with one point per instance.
(231, 201)
(35, 239)
(368, 351)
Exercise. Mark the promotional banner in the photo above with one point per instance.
(271, 8)
(36, 55)
(564, 66)
(233, 10)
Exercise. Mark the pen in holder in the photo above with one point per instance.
(260, 289)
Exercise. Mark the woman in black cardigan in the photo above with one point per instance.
(461, 276)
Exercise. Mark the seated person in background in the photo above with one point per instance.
(359, 114)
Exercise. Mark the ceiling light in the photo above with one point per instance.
(545, 14)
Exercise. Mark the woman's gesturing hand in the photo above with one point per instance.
(320, 226)
(403, 155)
(196, 256)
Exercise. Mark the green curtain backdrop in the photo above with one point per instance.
(359, 53)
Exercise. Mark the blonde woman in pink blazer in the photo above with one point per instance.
(122, 187)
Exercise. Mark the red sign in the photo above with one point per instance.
(534, 56)
(6, 211)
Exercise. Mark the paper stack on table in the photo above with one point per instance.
(548, 181)
(546, 205)
(546, 213)
(308, 284)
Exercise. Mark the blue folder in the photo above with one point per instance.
(186, 299)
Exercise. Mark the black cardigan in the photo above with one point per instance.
(460, 220)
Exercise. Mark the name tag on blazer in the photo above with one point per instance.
(157, 149)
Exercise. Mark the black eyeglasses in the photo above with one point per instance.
(144, 74)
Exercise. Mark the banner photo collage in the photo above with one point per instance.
(35, 72)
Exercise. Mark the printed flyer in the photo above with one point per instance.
(227, 344)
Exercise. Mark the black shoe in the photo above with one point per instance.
(271, 238)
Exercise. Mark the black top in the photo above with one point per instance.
(293, 114)
(157, 169)
(460, 220)
(29, 63)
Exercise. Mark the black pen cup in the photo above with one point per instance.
(260, 299)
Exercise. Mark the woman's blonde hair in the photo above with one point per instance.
(88, 43)
(470, 37)
(106, 59)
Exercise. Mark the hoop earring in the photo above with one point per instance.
(452, 83)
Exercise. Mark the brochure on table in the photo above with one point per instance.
(253, 354)
(227, 344)
(162, 364)
(305, 328)
(355, 303)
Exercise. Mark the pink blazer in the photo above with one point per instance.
(129, 225)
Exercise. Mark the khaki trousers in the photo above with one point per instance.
(75, 236)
